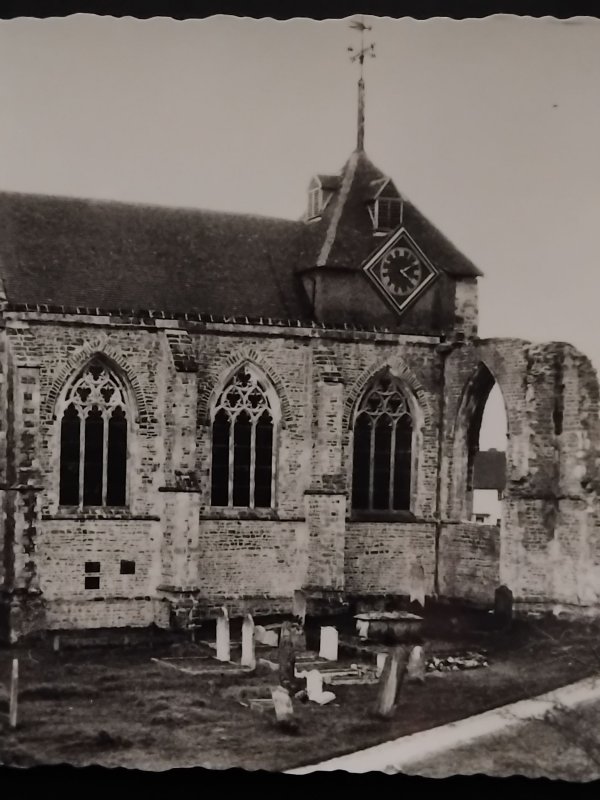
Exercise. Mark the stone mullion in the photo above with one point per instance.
(392, 464)
(231, 460)
(252, 461)
(105, 419)
(372, 460)
(275, 428)
(82, 416)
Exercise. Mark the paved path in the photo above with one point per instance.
(400, 754)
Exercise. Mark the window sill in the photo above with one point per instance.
(243, 513)
(81, 514)
(382, 516)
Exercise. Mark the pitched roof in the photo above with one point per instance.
(64, 251)
(108, 255)
(346, 227)
(489, 470)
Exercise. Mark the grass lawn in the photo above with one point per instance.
(117, 707)
(564, 747)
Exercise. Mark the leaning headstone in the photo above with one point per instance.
(503, 607)
(287, 658)
(298, 637)
(223, 644)
(415, 670)
(284, 710)
(329, 643)
(381, 659)
(362, 628)
(390, 682)
(299, 606)
(248, 654)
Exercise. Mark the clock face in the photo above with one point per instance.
(402, 272)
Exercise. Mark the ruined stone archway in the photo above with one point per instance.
(465, 440)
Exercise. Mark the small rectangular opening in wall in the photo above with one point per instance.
(127, 567)
(92, 566)
(92, 581)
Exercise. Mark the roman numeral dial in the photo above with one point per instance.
(402, 272)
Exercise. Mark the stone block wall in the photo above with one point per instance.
(547, 550)
(379, 557)
(469, 561)
(250, 557)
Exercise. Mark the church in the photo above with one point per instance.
(308, 422)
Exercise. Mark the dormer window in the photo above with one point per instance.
(315, 202)
(320, 191)
(388, 213)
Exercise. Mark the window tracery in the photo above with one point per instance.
(93, 440)
(243, 431)
(382, 462)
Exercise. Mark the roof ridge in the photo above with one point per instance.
(347, 181)
(109, 203)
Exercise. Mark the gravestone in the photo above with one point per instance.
(287, 658)
(381, 659)
(314, 688)
(415, 670)
(314, 684)
(282, 701)
(299, 606)
(329, 643)
(284, 710)
(417, 584)
(223, 644)
(390, 682)
(298, 636)
(362, 628)
(503, 607)
(248, 654)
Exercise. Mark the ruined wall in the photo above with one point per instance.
(549, 543)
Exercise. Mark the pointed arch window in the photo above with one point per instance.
(382, 463)
(93, 440)
(243, 432)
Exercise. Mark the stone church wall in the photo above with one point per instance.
(186, 551)
(469, 562)
(56, 544)
(379, 556)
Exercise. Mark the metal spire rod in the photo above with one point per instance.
(359, 55)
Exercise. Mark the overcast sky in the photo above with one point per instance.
(491, 127)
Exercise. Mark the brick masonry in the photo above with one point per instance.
(190, 555)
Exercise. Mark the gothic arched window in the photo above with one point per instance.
(242, 444)
(93, 440)
(383, 429)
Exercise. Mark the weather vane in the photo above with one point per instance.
(364, 50)
(358, 54)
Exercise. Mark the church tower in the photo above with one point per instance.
(376, 260)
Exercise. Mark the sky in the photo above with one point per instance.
(491, 127)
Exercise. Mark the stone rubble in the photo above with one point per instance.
(455, 663)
